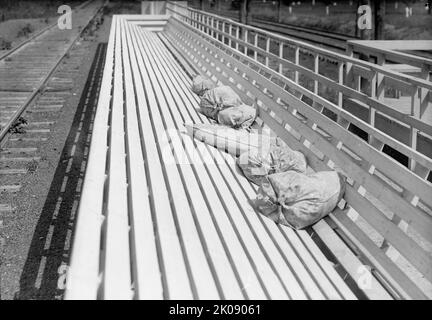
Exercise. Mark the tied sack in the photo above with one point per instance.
(242, 116)
(201, 84)
(217, 99)
(298, 200)
(235, 142)
(256, 164)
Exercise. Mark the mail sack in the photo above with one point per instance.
(256, 164)
(233, 141)
(237, 117)
(298, 200)
(201, 84)
(217, 99)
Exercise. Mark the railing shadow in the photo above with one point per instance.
(44, 272)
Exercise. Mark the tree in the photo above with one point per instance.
(365, 34)
(378, 14)
(279, 15)
(327, 5)
(245, 16)
(357, 30)
(409, 4)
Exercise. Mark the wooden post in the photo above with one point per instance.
(267, 50)
(379, 13)
(256, 45)
(424, 93)
(279, 13)
(349, 66)
(230, 33)
(297, 62)
(415, 112)
(246, 40)
(281, 48)
(245, 11)
(366, 34)
(237, 37)
(223, 32)
(340, 81)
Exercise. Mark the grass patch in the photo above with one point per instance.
(25, 31)
(32, 166)
(24, 9)
(5, 44)
(18, 126)
(342, 17)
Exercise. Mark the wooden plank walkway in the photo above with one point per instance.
(165, 216)
(196, 234)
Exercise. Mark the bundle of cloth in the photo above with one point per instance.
(222, 104)
(287, 193)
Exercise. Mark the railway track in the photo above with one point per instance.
(334, 41)
(329, 40)
(35, 81)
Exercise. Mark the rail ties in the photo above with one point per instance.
(35, 81)
(24, 72)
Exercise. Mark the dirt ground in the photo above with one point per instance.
(29, 270)
(19, 20)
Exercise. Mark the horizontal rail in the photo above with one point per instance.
(370, 102)
(217, 58)
(307, 46)
(392, 53)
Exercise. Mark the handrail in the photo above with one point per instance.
(347, 86)
(322, 51)
(392, 53)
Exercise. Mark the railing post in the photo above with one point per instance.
(415, 112)
(349, 66)
(340, 81)
(268, 51)
(223, 32)
(316, 87)
(281, 48)
(377, 91)
(237, 37)
(246, 41)
(230, 33)
(256, 45)
(424, 93)
(296, 61)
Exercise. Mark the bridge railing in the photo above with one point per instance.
(329, 77)
(334, 83)
(384, 125)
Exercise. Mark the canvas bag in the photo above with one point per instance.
(201, 84)
(256, 164)
(217, 99)
(233, 141)
(237, 117)
(298, 200)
